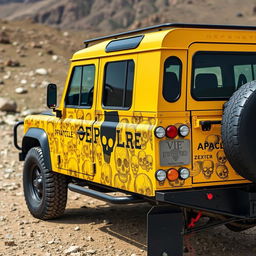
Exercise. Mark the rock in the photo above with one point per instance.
(55, 57)
(41, 71)
(9, 243)
(89, 238)
(7, 105)
(72, 249)
(21, 90)
(66, 34)
(23, 81)
(12, 63)
(4, 38)
(77, 228)
(91, 251)
(107, 222)
(239, 14)
(1, 82)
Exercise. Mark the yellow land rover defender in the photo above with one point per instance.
(165, 114)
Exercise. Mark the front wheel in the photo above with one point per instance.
(45, 191)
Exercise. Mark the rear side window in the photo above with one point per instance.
(80, 92)
(118, 84)
(172, 79)
(216, 75)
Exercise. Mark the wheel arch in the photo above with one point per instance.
(36, 137)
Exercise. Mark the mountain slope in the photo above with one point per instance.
(110, 15)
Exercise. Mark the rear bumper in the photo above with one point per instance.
(236, 201)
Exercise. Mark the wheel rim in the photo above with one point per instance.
(36, 184)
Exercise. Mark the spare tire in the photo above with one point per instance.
(239, 131)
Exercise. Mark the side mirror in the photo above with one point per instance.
(52, 96)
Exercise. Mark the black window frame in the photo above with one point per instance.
(180, 78)
(124, 97)
(80, 91)
(193, 73)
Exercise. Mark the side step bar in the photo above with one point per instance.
(105, 197)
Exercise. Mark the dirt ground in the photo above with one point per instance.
(96, 228)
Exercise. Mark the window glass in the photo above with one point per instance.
(88, 75)
(216, 75)
(74, 87)
(243, 73)
(172, 79)
(82, 80)
(118, 84)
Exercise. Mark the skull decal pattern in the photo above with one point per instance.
(143, 185)
(108, 133)
(221, 157)
(222, 171)
(106, 174)
(207, 168)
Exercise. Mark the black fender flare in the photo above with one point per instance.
(37, 137)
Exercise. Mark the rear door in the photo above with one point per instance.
(215, 71)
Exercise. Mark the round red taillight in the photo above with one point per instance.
(171, 131)
(172, 174)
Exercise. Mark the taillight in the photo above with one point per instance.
(159, 132)
(172, 174)
(183, 130)
(171, 131)
(161, 175)
(184, 173)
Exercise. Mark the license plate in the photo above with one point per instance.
(174, 152)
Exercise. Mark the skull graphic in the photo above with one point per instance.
(99, 154)
(108, 133)
(142, 159)
(222, 171)
(106, 174)
(212, 140)
(79, 114)
(149, 162)
(207, 168)
(221, 157)
(143, 185)
(144, 128)
(177, 183)
(135, 165)
(122, 164)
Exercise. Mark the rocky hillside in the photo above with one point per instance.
(104, 16)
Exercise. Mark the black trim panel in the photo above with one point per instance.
(40, 136)
(124, 44)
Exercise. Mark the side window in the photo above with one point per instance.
(172, 79)
(118, 84)
(80, 92)
(74, 87)
(87, 85)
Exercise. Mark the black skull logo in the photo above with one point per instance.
(108, 133)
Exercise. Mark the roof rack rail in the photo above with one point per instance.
(165, 26)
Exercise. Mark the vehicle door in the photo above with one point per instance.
(215, 71)
(76, 128)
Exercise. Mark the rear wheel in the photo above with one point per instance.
(45, 191)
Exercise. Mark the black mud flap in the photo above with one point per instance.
(165, 231)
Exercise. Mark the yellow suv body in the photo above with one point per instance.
(141, 113)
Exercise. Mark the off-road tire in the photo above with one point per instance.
(239, 131)
(239, 226)
(46, 193)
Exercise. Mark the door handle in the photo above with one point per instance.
(207, 124)
(79, 132)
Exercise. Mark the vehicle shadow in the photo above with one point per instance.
(128, 223)
(125, 222)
